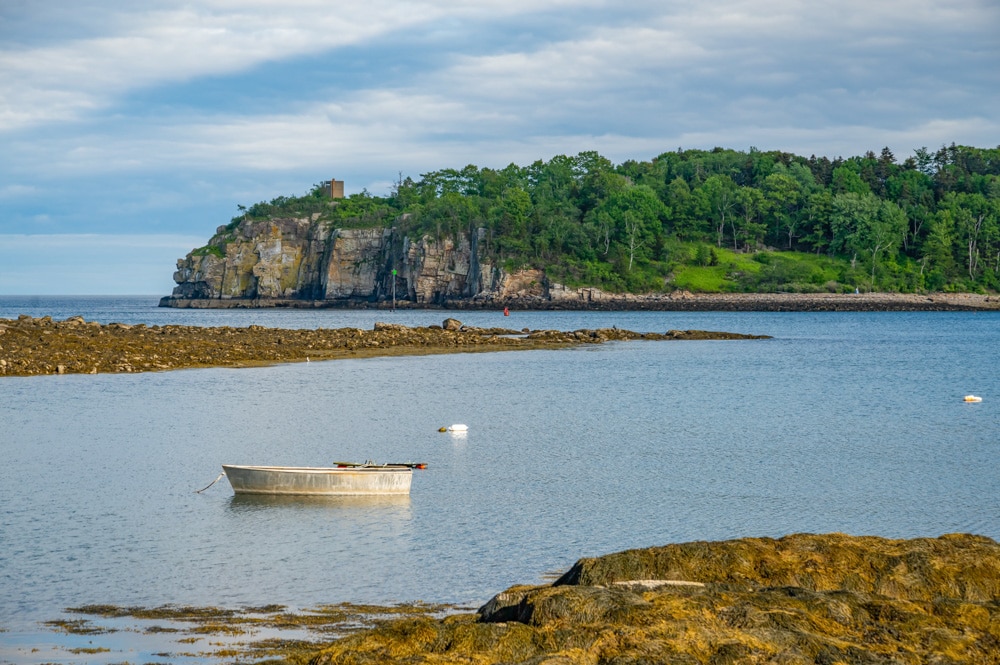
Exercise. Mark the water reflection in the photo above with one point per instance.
(395, 505)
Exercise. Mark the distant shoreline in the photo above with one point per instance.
(594, 300)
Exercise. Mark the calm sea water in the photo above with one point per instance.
(849, 422)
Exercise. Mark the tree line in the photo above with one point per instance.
(711, 220)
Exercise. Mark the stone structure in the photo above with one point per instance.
(334, 189)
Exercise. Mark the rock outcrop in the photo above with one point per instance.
(304, 262)
(799, 599)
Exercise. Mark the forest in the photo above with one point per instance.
(709, 220)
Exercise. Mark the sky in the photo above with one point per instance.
(130, 131)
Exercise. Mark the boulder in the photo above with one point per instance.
(799, 599)
(397, 327)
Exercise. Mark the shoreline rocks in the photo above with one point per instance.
(803, 598)
(30, 346)
(597, 300)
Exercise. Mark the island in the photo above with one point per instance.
(688, 229)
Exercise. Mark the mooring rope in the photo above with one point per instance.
(210, 484)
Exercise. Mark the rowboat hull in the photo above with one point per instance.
(319, 481)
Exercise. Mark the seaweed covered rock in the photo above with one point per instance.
(799, 599)
(958, 566)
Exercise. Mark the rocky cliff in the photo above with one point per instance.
(305, 262)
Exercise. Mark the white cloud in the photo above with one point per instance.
(646, 74)
(178, 41)
(60, 82)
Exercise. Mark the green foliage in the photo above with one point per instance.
(793, 272)
(358, 211)
(712, 270)
(213, 250)
(315, 201)
(703, 279)
(705, 220)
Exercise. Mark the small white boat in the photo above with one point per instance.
(973, 398)
(343, 478)
(455, 428)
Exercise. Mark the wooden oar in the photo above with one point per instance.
(355, 465)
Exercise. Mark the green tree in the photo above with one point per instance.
(450, 215)
(631, 219)
(494, 184)
(883, 234)
(938, 251)
(975, 218)
(912, 191)
(719, 195)
(848, 181)
(510, 217)
(801, 173)
(782, 200)
(851, 214)
(685, 220)
(867, 226)
(817, 215)
(749, 228)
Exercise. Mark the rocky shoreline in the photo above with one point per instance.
(597, 300)
(799, 599)
(802, 598)
(31, 346)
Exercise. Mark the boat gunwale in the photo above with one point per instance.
(387, 468)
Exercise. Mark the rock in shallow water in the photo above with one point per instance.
(799, 599)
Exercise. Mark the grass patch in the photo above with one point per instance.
(705, 269)
(714, 270)
(89, 650)
(78, 627)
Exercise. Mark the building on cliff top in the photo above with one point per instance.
(334, 189)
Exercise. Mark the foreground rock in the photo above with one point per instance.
(31, 346)
(798, 599)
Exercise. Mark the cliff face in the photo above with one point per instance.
(303, 260)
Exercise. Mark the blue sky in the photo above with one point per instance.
(129, 133)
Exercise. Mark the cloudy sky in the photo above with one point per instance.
(130, 131)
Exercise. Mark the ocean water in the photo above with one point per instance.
(846, 422)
